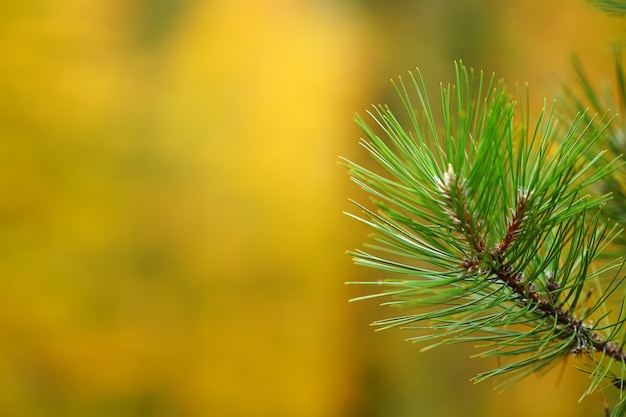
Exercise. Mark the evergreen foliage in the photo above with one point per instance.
(613, 7)
(582, 95)
(488, 231)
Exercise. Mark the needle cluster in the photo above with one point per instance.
(486, 232)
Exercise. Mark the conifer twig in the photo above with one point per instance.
(487, 233)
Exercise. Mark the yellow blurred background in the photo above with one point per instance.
(172, 242)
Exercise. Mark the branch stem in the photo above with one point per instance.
(528, 295)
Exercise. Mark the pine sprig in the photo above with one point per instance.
(486, 231)
(582, 94)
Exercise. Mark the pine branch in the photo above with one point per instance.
(582, 95)
(487, 224)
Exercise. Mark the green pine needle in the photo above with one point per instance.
(486, 232)
(582, 94)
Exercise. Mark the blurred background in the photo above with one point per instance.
(171, 228)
